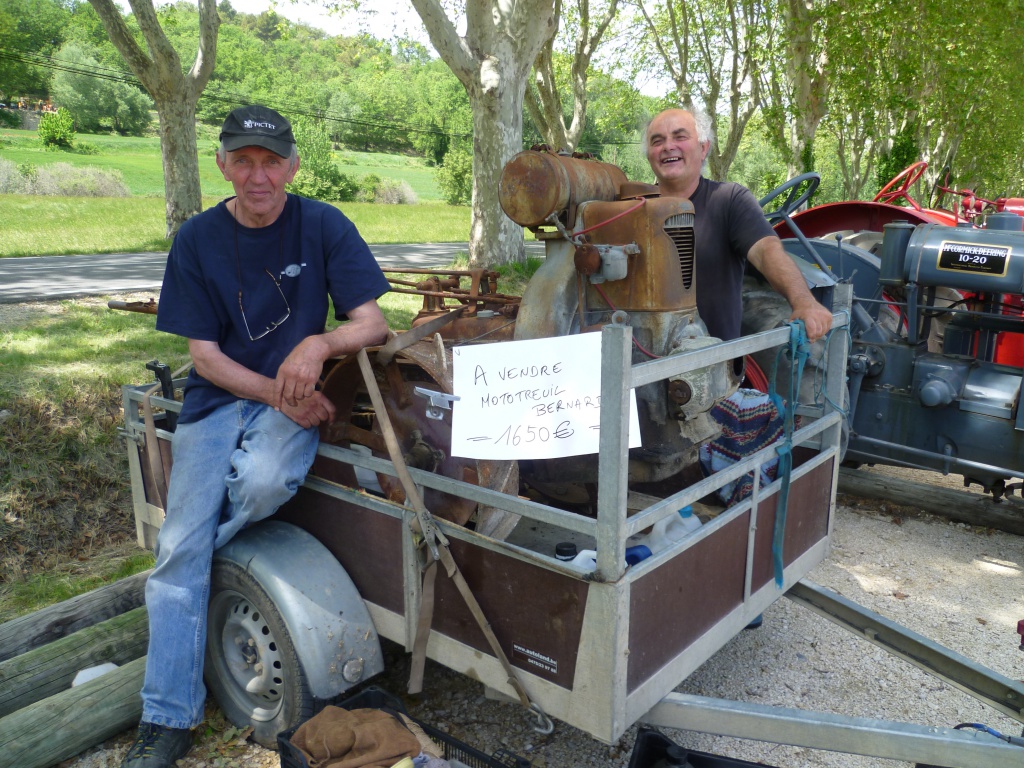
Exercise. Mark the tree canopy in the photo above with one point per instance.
(851, 89)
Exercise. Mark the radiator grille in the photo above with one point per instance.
(680, 229)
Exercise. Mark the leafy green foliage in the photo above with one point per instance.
(57, 129)
(9, 118)
(29, 26)
(318, 176)
(98, 103)
(904, 153)
(455, 177)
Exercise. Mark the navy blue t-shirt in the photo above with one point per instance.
(311, 250)
(727, 223)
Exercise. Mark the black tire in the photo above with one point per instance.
(268, 690)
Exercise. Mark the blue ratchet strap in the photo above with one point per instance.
(798, 351)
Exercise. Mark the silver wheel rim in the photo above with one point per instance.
(247, 655)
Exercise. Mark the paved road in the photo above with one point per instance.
(35, 278)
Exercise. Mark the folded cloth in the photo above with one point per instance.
(357, 738)
(749, 421)
(427, 744)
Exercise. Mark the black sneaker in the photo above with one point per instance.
(157, 746)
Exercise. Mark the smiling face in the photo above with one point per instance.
(674, 153)
(259, 177)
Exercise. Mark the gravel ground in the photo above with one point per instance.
(961, 586)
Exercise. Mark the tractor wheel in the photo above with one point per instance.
(252, 668)
(764, 310)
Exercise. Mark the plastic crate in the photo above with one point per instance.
(378, 698)
(651, 744)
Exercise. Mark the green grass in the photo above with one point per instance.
(64, 490)
(412, 170)
(36, 226)
(138, 160)
(63, 583)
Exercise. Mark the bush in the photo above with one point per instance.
(97, 104)
(57, 129)
(393, 192)
(374, 189)
(65, 180)
(368, 186)
(318, 176)
(9, 119)
(12, 182)
(455, 177)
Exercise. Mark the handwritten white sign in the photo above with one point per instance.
(537, 399)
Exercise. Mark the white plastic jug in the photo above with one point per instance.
(586, 559)
(671, 529)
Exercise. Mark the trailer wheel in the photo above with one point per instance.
(252, 668)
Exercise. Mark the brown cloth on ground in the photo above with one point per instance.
(357, 738)
(427, 744)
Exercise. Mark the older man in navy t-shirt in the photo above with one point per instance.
(247, 283)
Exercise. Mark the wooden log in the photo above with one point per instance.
(44, 626)
(64, 725)
(962, 506)
(49, 669)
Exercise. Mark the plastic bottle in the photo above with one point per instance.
(565, 550)
(671, 529)
(586, 559)
(664, 533)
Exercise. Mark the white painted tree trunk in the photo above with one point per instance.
(175, 93)
(492, 61)
(497, 136)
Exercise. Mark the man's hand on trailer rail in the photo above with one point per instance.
(768, 256)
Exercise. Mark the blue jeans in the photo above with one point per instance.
(232, 468)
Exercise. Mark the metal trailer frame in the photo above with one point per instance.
(618, 670)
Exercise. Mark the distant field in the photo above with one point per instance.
(138, 160)
(35, 226)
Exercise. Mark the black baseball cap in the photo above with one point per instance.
(257, 126)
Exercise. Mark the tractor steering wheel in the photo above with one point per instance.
(908, 176)
(795, 199)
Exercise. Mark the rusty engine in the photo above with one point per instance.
(615, 251)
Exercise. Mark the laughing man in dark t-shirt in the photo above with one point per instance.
(730, 229)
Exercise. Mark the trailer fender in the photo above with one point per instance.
(326, 619)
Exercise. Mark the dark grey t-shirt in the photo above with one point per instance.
(727, 223)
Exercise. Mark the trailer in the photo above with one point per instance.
(599, 649)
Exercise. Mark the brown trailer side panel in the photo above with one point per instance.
(536, 614)
(671, 607)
